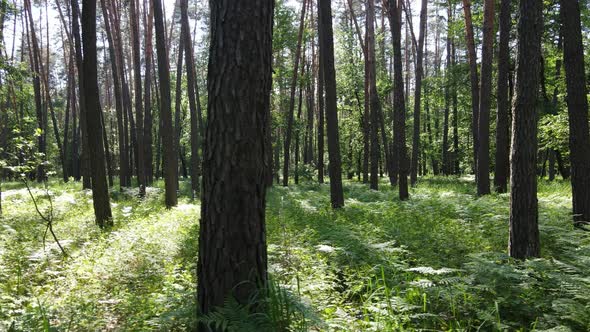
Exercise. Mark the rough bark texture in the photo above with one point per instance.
(327, 53)
(100, 191)
(472, 55)
(418, 94)
(524, 229)
(169, 155)
(232, 244)
(485, 100)
(399, 102)
(502, 166)
(577, 103)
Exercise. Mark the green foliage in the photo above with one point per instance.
(436, 262)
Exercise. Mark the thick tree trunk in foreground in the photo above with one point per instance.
(502, 126)
(524, 229)
(577, 103)
(327, 53)
(487, 55)
(169, 154)
(232, 244)
(100, 190)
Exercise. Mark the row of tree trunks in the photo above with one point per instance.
(291, 111)
(167, 130)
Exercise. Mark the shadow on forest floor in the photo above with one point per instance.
(436, 261)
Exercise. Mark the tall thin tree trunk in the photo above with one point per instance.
(446, 158)
(290, 114)
(399, 102)
(418, 94)
(178, 100)
(485, 99)
(148, 126)
(474, 78)
(373, 96)
(193, 96)
(137, 93)
(502, 162)
(35, 68)
(100, 191)
(123, 163)
(168, 136)
(327, 53)
(320, 115)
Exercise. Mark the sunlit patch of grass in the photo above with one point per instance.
(435, 262)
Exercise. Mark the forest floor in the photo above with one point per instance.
(435, 262)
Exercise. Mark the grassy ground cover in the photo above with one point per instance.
(436, 262)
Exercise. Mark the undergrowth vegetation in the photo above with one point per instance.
(435, 262)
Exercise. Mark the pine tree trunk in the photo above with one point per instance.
(177, 103)
(193, 96)
(373, 96)
(327, 53)
(168, 136)
(577, 109)
(321, 113)
(446, 158)
(290, 114)
(148, 126)
(399, 102)
(100, 191)
(232, 244)
(502, 162)
(524, 229)
(35, 68)
(137, 93)
(418, 94)
(487, 57)
(123, 163)
(474, 78)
